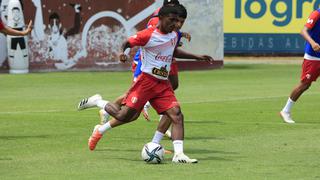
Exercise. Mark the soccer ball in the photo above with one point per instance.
(152, 153)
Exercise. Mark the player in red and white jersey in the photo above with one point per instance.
(136, 65)
(173, 75)
(158, 47)
(157, 50)
(9, 31)
(311, 64)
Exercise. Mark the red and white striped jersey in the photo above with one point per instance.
(156, 51)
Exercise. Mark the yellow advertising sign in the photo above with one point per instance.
(267, 16)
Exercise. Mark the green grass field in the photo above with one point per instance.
(231, 125)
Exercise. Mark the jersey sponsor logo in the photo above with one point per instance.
(163, 72)
(163, 58)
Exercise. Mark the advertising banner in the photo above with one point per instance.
(266, 26)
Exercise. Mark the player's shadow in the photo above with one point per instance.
(17, 137)
(139, 160)
(207, 155)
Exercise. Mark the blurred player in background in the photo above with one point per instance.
(311, 64)
(158, 46)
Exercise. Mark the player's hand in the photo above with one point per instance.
(316, 47)
(187, 36)
(29, 28)
(123, 57)
(207, 58)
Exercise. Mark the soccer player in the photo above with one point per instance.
(173, 76)
(311, 64)
(158, 45)
(9, 31)
(136, 64)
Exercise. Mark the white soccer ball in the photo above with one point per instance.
(152, 153)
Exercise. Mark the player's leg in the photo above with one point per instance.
(113, 123)
(167, 103)
(174, 81)
(177, 118)
(310, 73)
(285, 113)
(121, 116)
(137, 96)
(163, 126)
(124, 114)
(165, 122)
(104, 116)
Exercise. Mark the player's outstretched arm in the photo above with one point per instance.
(305, 34)
(13, 32)
(179, 53)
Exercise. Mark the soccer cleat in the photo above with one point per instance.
(96, 127)
(94, 139)
(104, 116)
(286, 117)
(182, 158)
(89, 102)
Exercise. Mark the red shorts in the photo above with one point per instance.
(310, 71)
(174, 68)
(148, 88)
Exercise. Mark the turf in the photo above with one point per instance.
(231, 122)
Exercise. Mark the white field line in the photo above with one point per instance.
(185, 102)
